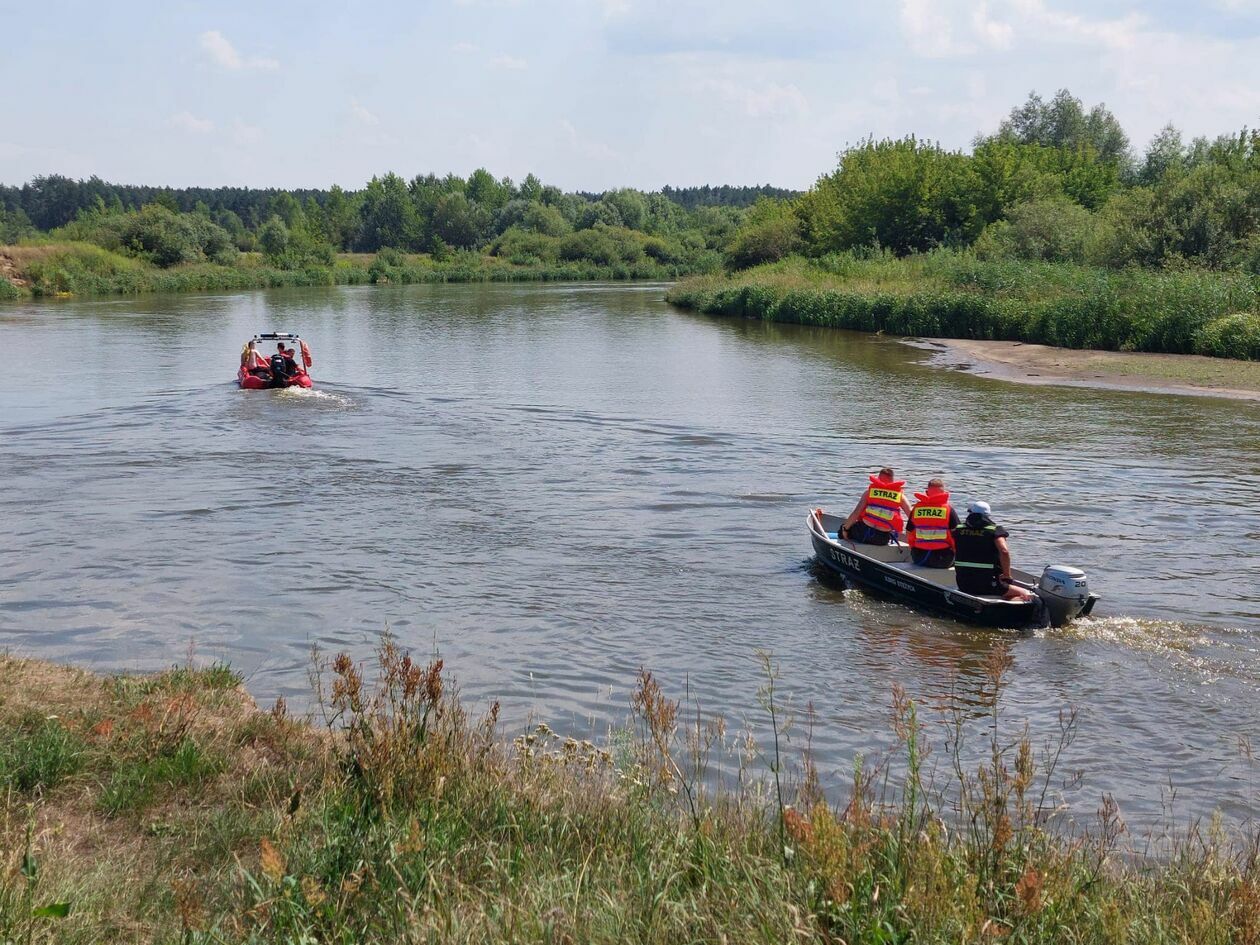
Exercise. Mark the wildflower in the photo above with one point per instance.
(271, 861)
(1028, 890)
(312, 892)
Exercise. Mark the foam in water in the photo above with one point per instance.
(317, 396)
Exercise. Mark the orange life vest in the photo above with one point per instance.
(930, 518)
(306, 353)
(883, 505)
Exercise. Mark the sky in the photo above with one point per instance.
(587, 94)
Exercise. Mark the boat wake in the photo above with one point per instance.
(1214, 651)
(310, 395)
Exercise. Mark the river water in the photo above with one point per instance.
(556, 485)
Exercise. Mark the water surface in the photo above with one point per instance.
(557, 485)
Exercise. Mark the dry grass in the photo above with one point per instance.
(417, 822)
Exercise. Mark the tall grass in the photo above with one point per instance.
(401, 816)
(953, 294)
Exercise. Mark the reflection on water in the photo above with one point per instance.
(556, 485)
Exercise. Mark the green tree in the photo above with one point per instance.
(905, 195)
(460, 222)
(631, 206)
(487, 192)
(771, 231)
(1063, 122)
(389, 216)
(1057, 229)
(273, 240)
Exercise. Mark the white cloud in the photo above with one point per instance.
(928, 29)
(771, 100)
(509, 62)
(362, 114)
(464, 48)
(224, 54)
(936, 29)
(990, 31)
(186, 121)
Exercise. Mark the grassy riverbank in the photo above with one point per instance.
(164, 807)
(947, 294)
(76, 268)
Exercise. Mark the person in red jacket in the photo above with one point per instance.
(876, 519)
(931, 527)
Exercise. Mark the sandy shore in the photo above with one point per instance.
(1154, 373)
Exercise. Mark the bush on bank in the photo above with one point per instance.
(147, 809)
(952, 294)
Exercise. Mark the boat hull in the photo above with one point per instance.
(248, 381)
(848, 560)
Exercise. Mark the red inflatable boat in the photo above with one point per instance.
(278, 368)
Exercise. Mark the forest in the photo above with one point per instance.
(1056, 184)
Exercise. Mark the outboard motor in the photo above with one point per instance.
(279, 376)
(1065, 592)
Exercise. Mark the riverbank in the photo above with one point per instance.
(947, 294)
(161, 807)
(83, 269)
(1017, 361)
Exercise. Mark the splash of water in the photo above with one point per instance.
(311, 395)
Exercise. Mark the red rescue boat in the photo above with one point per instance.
(281, 367)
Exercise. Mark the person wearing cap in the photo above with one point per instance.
(983, 560)
(930, 527)
(876, 519)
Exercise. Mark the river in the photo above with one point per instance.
(554, 485)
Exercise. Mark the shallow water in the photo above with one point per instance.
(556, 485)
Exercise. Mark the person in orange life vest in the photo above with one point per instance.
(930, 528)
(984, 561)
(877, 516)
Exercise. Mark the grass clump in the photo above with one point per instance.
(38, 753)
(953, 294)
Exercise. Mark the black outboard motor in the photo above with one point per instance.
(279, 375)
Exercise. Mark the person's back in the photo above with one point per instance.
(876, 519)
(930, 529)
(983, 562)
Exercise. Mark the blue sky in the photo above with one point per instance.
(588, 94)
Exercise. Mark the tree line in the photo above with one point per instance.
(527, 222)
(1055, 181)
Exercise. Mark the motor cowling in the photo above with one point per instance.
(1065, 591)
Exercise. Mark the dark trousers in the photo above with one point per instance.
(864, 534)
(939, 558)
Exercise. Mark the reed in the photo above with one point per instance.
(952, 294)
(396, 814)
